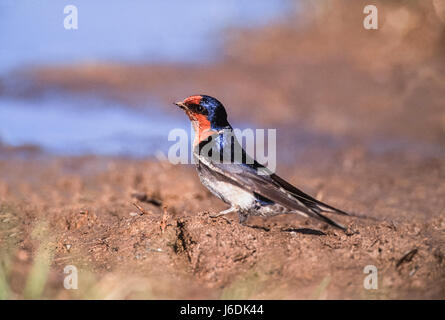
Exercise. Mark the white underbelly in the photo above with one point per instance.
(230, 193)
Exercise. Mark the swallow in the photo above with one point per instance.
(230, 174)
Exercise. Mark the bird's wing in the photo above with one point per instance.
(305, 198)
(270, 186)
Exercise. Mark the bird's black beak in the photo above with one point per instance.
(181, 105)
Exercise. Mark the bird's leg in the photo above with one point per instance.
(224, 212)
(242, 218)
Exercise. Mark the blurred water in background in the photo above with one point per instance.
(56, 123)
(32, 32)
(137, 31)
(140, 31)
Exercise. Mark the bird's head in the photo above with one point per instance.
(206, 110)
(206, 113)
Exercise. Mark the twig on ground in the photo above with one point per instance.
(141, 210)
(165, 217)
(407, 257)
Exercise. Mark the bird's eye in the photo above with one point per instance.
(198, 108)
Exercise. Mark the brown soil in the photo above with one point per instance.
(84, 213)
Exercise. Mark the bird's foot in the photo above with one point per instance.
(242, 218)
(222, 213)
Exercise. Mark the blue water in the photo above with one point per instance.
(73, 125)
(119, 31)
(124, 31)
(32, 32)
(66, 124)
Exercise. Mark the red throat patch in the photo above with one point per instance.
(202, 127)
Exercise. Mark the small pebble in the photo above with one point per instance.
(22, 255)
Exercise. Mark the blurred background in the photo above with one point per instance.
(64, 120)
(309, 68)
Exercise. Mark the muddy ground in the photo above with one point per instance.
(81, 212)
(106, 215)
